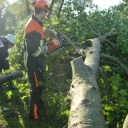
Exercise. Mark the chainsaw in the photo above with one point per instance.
(55, 44)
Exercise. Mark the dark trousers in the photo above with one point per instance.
(35, 103)
(35, 73)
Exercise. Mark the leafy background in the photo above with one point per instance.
(79, 22)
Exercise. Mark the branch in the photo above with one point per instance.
(115, 60)
(78, 50)
(60, 8)
(67, 39)
(103, 38)
(82, 51)
(92, 27)
(98, 31)
(110, 43)
(114, 47)
(52, 4)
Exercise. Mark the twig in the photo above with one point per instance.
(103, 38)
(112, 44)
(67, 39)
(114, 47)
(115, 60)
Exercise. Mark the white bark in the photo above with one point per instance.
(125, 125)
(86, 110)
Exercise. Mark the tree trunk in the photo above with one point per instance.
(125, 125)
(28, 11)
(62, 3)
(86, 109)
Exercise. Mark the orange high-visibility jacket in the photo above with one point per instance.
(33, 34)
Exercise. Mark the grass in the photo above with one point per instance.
(14, 109)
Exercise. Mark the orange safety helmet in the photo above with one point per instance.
(43, 4)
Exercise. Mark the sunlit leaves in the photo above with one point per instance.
(9, 94)
(108, 108)
(107, 67)
(78, 24)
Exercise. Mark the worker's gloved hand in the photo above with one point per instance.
(44, 49)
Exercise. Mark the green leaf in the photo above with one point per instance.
(123, 92)
(9, 94)
(5, 109)
(109, 108)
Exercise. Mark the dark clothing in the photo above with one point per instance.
(3, 64)
(3, 54)
(33, 36)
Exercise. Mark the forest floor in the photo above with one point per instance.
(14, 110)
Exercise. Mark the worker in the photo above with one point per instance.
(34, 60)
(5, 43)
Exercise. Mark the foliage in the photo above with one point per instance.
(125, 0)
(79, 22)
(80, 25)
(11, 13)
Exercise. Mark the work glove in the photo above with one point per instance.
(44, 49)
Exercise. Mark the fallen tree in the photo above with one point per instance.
(86, 107)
